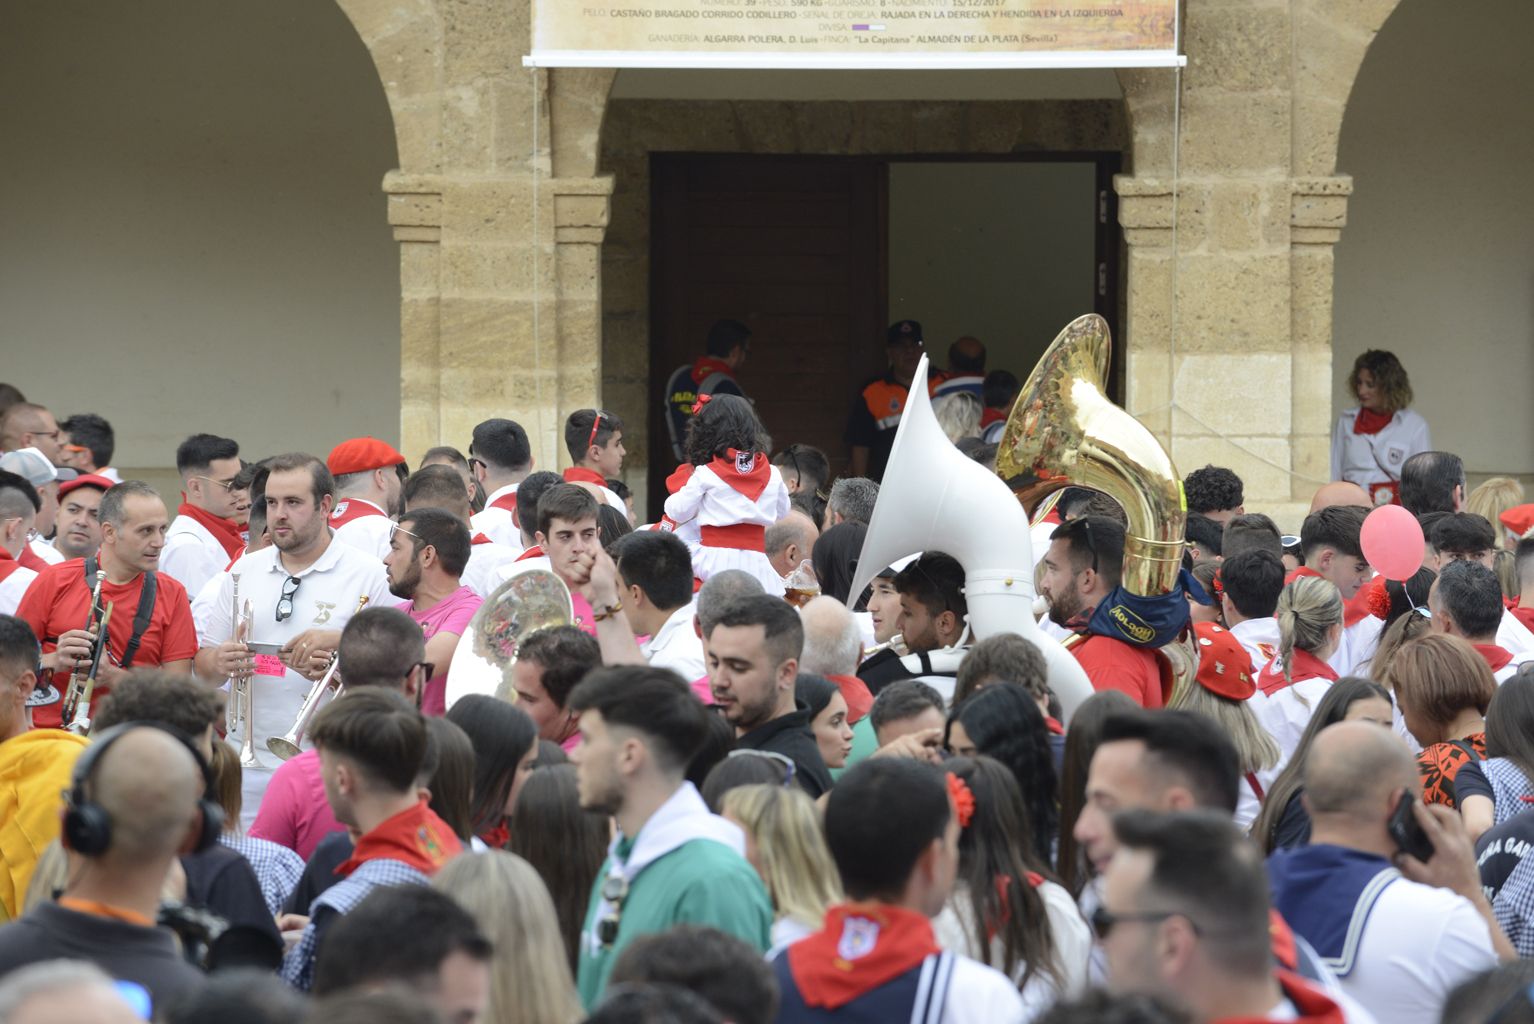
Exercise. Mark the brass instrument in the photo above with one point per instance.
(287, 746)
(486, 656)
(289, 743)
(895, 643)
(245, 688)
(81, 722)
(93, 618)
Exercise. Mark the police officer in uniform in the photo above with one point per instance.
(876, 413)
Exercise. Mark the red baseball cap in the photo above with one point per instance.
(1519, 519)
(361, 454)
(88, 480)
(1224, 667)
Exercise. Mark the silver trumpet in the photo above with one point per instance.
(243, 686)
(895, 643)
(287, 746)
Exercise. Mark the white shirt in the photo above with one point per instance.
(676, 646)
(1286, 713)
(1366, 459)
(1513, 636)
(1510, 670)
(47, 552)
(1356, 648)
(1419, 943)
(365, 533)
(497, 523)
(1072, 940)
(328, 595)
(13, 587)
(192, 555)
(481, 575)
(1260, 639)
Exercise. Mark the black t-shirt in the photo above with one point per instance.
(127, 952)
(1502, 848)
(682, 393)
(221, 880)
(1471, 781)
(792, 737)
(874, 420)
(1293, 827)
(320, 873)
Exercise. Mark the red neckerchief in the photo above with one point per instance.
(416, 837)
(506, 502)
(496, 838)
(582, 475)
(860, 947)
(29, 559)
(1306, 666)
(1371, 422)
(1053, 726)
(1312, 1004)
(707, 366)
(1524, 615)
(1281, 937)
(224, 531)
(8, 564)
(1496, 657)
(747, 472)
(480, 538)
(348, 509)
(536, 551)
(989, 416)
(1354, 611)
(679, 477)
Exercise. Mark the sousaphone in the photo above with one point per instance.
(486, 656)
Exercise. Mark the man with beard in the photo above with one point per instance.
(426, 558)
(152, 617)
(673, 862)
(370, 486)
(302, 592)
(78, 523)
(1084, 564)
(204, 537)
(753, 663)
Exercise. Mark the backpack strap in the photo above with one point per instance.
(141, 617)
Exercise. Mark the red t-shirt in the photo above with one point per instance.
(59, 599)
(1114, 665)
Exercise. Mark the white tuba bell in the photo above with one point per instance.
(935, 498)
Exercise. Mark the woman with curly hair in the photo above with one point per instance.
(1003, 722)
(733, 494)
(1372, 442)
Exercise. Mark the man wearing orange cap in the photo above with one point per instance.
(78, 525)
(204, 536)
(370, 484)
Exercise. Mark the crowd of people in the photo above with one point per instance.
(239, 775)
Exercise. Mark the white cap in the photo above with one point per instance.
(34, 466)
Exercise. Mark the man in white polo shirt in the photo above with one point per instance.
(500, 457)
(203, 538)
(441, 487)
(19, 503)
(302, 590)
(370, 483)
(656, 572)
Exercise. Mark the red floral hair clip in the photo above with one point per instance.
(697, 406)
(962, 798)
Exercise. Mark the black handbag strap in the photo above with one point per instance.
(141, 617)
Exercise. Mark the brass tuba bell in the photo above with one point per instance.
(1063, 432)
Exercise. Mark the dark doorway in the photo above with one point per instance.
(800, 249)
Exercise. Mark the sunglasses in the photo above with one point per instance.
(285, 602)
(396, 528)
(227, 485)
(782, 760)
(615, 889)
(1103, 920)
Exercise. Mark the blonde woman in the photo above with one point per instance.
(530, 978)
(1290, 686)
(785, 844)
(1372, 442)
(1491, 499)
(1222, 691)
(959, 415)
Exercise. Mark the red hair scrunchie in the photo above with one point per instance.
(963, 800)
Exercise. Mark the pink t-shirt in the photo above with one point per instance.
(294, 812)
(449, 615)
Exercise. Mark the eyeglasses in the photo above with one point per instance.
(782, 760)
(477, 462)
(1103, 920)
(615, 889)
(285, 602)
(54, 434)
(227, 485)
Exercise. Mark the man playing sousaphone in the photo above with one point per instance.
(303, 590)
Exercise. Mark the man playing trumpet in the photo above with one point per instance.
(303, 590)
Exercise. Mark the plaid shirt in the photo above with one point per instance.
(339, 899)
(277, 868)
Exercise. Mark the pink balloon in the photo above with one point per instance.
(1392, 541)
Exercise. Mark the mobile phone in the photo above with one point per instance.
(1406, 832)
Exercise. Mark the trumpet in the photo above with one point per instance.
(243, 686)
(81, 725)
(93, 617)
(287, 745)
(895, 643)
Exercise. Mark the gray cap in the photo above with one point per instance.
(35, 467)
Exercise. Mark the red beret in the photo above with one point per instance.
(88, 480)
(1224, 667)
(361, 454)
(1519, 519)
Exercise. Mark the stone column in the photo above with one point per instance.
(1318, 210)
(415, 212)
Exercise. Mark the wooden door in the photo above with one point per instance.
(791, 246)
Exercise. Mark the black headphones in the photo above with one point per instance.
(88, 825)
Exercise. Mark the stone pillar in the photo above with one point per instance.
(1318, 210)
(415, 213)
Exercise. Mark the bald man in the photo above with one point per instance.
(966, 370)
(147, 785)
(790, 540)
(63, 992)
(833, 646)
(1339, 492)
(1400, 933)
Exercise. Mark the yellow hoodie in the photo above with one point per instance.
(35, 769)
